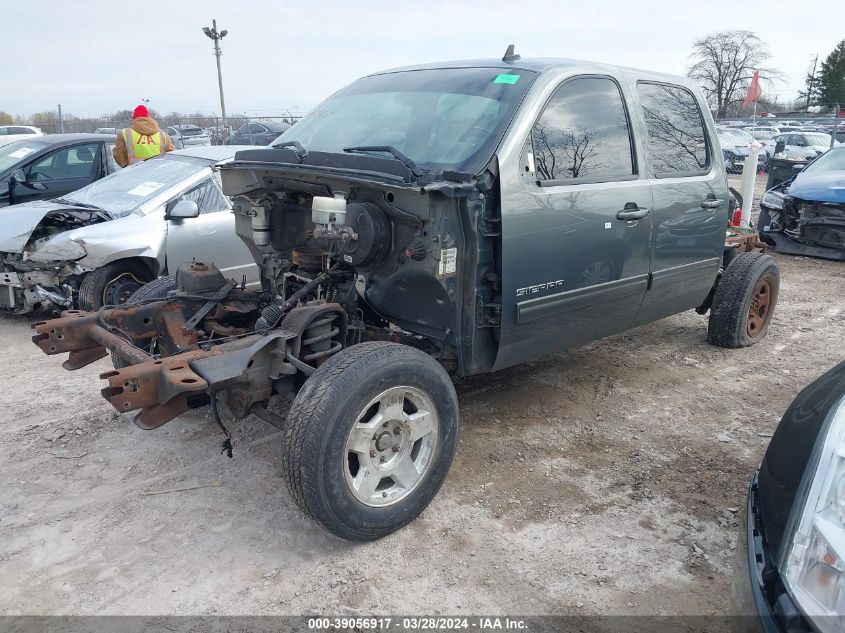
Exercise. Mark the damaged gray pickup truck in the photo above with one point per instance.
(424, 224)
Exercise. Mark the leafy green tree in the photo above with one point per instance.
(832, 77)
(811, 93)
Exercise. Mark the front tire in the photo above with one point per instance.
(744, 301)
(112, 284)
(370, 439)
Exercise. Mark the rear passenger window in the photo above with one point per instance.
(676, 140)
(583, 134)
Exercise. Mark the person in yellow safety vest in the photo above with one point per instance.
(143, 139)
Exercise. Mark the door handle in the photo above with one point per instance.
(711, 203)
(632, 213)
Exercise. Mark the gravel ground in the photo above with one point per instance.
(605, 480)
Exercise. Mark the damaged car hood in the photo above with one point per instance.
(823, 187)
(18, 221)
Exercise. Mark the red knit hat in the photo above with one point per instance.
(141, 110)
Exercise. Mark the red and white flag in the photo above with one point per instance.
(754, 91)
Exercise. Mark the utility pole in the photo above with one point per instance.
(216, 37)
(835, 125)
(61, 121)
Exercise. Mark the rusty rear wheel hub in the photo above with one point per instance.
(760, 309)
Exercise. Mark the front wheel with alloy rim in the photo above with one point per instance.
(112, 284)
(370, 439)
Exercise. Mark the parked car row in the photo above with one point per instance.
(258, 133)
(182, 134)
(187, 135)
(799, 145)
(736, 146)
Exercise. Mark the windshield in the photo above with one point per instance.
(124, 191)
(442, 119)
(831, 160)
(190, 131)
(11, 154)
(818, 139)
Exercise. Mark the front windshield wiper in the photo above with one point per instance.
(78, 204)
(390, 149)
(299, 148)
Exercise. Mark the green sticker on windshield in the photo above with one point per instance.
(506, 78)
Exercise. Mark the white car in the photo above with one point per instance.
(187, 135)
(12, 133)
(800, 146)
(762, 133)
(98, 245)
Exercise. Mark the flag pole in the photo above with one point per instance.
(749, 176)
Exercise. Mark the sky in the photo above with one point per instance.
(97, 56)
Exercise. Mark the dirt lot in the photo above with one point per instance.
(605, 480)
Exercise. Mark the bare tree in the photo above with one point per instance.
(675, 127)
(568, 153)
(580, 147)
(724, 63)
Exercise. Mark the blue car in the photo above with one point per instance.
(806, 215)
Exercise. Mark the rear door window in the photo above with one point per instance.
(583, 134)
(677, 142)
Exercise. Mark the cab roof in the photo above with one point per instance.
(542, 65)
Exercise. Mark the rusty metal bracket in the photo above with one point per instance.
(81, 334)
(211, 303)
(743, 241)
(160, 388)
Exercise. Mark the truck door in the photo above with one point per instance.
(690, 193)
(211, 236)
(576, 223)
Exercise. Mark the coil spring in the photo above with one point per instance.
(320, 339)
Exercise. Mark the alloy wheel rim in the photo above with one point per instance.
(391, 446)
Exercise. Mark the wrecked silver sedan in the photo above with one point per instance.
(98, 245)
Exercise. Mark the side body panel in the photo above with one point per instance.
(690, 216)
(555, 238)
